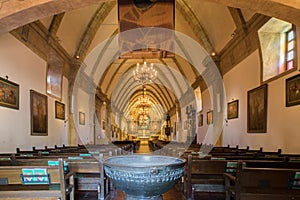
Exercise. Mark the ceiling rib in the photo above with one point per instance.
(164, 78)
(114, 75)
(91, 30)
(173, 76)
(154, 98)
(167, 101)
(163, 101)
(198, 30)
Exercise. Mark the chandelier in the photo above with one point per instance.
(145, 73)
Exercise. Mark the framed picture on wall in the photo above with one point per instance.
(81, 118)
(9, 94)
(210, 117)
(257, 109)
(38, 113)
(54, 81)
(175, 128)
(185, 125)
(233, 109)
(292, 91)
(200, 119)
(59, 110)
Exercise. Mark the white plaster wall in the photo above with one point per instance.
(282, 122)
(25, 68)
(84, 131)
(202, 132)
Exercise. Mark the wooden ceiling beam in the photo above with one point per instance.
(55, 23)
(238, 18)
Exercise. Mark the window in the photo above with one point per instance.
(290, 49)
(277, 48)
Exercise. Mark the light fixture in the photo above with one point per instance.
(143, 106)
(145, 73)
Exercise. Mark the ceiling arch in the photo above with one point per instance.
(12, 12)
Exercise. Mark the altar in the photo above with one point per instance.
(144, 139)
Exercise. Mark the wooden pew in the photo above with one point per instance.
(90, 176)
(262, 184)
(56, 184)
(203, 175)
(87, 170)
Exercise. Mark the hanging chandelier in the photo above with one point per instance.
(145, 73)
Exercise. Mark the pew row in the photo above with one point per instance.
(250, 183)
(36, 182)
(207, 176)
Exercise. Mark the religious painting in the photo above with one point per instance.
(9, 94)
(103, 125)
(59, 110)
(200, 119)
(143, 27)
(175, 128)
(39, 113)
(54, 75)
(257, 110)
(81, 118)
(233, 109)
(293, 91)
(185, 125)
(54, 81)
(209, 117)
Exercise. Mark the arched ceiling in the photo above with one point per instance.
(81, 25)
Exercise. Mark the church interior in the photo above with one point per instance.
(149, 99)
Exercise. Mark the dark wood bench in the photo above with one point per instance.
(250, 183)
(203, 175)
(52, 184)
(90, 176)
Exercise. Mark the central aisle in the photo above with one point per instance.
(143, 148)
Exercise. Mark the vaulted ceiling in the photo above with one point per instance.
(79, 27)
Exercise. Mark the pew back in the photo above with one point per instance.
(35, 182)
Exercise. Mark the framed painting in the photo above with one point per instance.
(104, 125)
(233, 109)
(9, 94)
(200, 119)
(185, 125)
(39, 113)
(257, 109)
(59, 110)
(81, 118)
(210, 117)
(54, 81)
(292, 92)
(175, 128)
